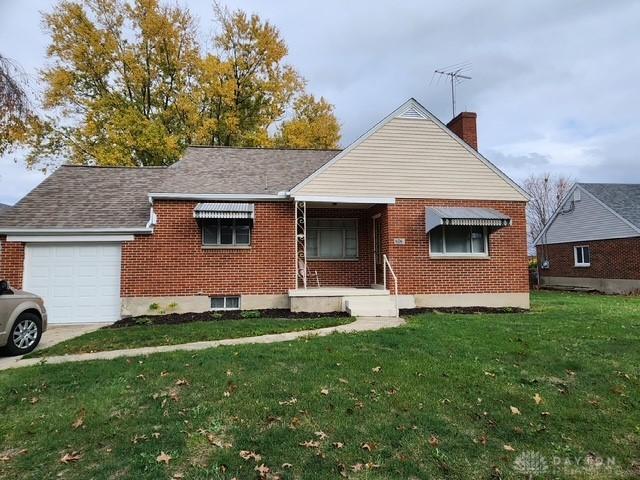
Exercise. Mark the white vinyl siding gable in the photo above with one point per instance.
(411, 158)
(588, 220)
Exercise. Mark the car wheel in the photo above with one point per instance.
(25, 334)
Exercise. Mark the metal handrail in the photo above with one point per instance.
(385, 262)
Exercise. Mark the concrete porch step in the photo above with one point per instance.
(371, 306)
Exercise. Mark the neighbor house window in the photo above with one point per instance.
(459, 240)
(226, 232)
(332, 238)
(582, 256)
(225, 303)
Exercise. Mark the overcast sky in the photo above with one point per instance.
(555, 84)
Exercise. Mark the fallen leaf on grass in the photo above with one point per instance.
(164, 373)
(248, 455)
(287, 465)
(338, 445)
(7, 455)
(227, 394)
(343, 380)
(70, 457)
(515, 411)
(509, 448)
(434, 441)
(181, 381)
(324, 391)
(321, 435)
(545, 414)
(78, 422)
(538, 399)
(310, 444)
(163, 457)
(263, 470)
(34, 400)
(291, 401)
(367, 446)
(490, 374)
(376, 369)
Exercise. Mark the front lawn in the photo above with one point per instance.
(484, 396)
(154, 335)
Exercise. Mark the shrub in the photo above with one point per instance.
(144, 321)
(250, 314)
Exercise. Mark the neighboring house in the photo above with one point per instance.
(4, 207)
(593, 240)
(250, 228)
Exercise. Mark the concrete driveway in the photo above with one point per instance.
(56, 334)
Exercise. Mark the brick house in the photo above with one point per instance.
(593, 240)
(409, 215)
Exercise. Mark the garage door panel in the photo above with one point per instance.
(79, 282)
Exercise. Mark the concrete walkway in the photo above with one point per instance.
(362, 324)
(55, 334)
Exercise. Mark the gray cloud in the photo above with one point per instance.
(554, 83)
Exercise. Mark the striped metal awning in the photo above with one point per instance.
(465, 216)
(224, 210)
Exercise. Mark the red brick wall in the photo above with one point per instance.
(504, 272)
(615, 258)
(173, 262)
(12, 262)
(464, 126)
(351, 273)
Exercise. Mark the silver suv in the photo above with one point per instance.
(23, 319)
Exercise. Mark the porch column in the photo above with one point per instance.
(301, 243)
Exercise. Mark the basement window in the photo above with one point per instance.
(225, 303)
(582, 256)
(454, 240)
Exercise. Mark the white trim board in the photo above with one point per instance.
(330, 199)
(73, 231)
(69, 238)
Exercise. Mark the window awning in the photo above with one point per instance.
(224, 210)
(465, 216)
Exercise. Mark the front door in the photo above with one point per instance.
(377, 251)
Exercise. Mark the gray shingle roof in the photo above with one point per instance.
(4, 207)
(242, 170)
(622, 198)
(101, 197)
(86, 197)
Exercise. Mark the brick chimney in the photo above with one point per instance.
(464, 126)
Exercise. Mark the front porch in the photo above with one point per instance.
(362, 302)
(341, 256)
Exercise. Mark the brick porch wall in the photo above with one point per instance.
(350, 273)
(504, 272)
(12, 262)
(616, 258)
(173, 262)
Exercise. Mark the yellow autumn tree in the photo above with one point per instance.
(127, 83)
(313, 123)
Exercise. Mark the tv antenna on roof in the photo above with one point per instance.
(456, 76)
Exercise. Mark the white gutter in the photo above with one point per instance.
(216, 196)
(74, 231)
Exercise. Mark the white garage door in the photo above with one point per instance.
(80, 282)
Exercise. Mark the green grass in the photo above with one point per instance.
(154, 335)
(438, 406)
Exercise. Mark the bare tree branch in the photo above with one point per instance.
(13, 98)
(546, 192)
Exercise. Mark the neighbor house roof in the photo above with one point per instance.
(4, 207)
(75, 197)
(227, 170)
(622, 198)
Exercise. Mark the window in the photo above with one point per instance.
(582, 256)
(226, 232)
(458, 240)
(225, 303)
(332, 238)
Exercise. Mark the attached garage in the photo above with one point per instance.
(80, 282)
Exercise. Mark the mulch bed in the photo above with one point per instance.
(461, 310)
(213, 316)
